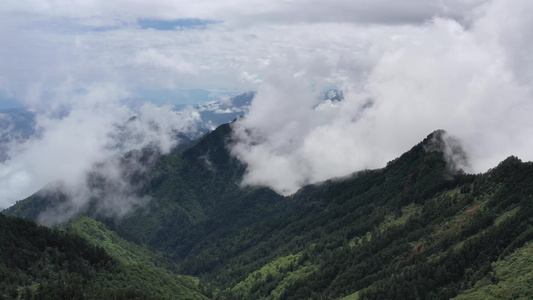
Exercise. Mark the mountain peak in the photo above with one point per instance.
(454, 154)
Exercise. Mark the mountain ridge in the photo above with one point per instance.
(416, 213)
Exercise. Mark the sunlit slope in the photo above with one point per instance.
(145, 269)
(42, 263)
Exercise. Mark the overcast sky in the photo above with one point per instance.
(406, 67)
(50, 47)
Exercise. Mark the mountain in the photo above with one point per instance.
(15, 124)
(42, 263)
(216, 113)
(419, 228)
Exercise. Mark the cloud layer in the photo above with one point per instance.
(473, 80)
(90, 128)
(406, 69)
(50, 44)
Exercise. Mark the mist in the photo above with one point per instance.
(76, 141)
(405, 70)
(472, 79)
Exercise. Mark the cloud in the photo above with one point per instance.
(105, 13)
(406, 69)
(102, 41)
(473, 80)
(111, 188)
(79, 131)
(359, 12)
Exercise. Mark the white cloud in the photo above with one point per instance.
(99, 13)
(424, 65)
(100, 41)
(441, 75)
(84, 130)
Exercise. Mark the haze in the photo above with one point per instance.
(406, 68)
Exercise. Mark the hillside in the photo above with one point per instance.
(42, 263)
(418, 228)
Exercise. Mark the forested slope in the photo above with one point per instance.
(418, 228)
(410, 230)
(41, 263)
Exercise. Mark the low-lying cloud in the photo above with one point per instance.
(111, 188)
(86, 137)
(473, 79)
(462, 66)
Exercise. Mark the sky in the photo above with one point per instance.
(406, 68)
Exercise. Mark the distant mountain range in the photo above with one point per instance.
(17, 124)
(416, 229)
(216, 113)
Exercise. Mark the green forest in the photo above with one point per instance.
(415, 229)
(61, 263)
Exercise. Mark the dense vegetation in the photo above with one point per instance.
(41, 263)
(416, 229)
